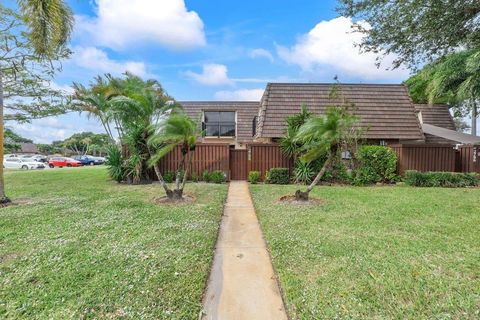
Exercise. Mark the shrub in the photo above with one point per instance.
(375, 164)
(194, 177)
(116, 169)
(278, 176)
(169, 176)
(206, 176)
(441, 179)
(254, 177)
(217, 176)
(304, 172)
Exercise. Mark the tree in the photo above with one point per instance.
(27, 56)
(12, 141)
(415, 31)
(453, 79)
(323, 135)
(136, 105)
(177, 129)
(81, 143)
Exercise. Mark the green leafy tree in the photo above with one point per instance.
(81, 143)
(177, 129)
(30, 42)
(321, 136)
(415, 31)
(12, 141)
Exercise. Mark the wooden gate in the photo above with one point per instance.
(470, 158)
(238, 164)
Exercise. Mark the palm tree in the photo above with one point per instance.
(177, 129)
(49, 23)
(320, 136)
(137, 106)
(453, 79)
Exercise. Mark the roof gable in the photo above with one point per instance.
(386, 111)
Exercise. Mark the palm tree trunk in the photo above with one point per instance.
(185, 174)
(168, 192)
(3, 197)
(303, 196)
(474, 118)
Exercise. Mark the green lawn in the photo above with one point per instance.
(86, 247)
(376, 253)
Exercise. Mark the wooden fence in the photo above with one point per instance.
(424, 157)
(205, 157)
(262, 157)
(468, 159)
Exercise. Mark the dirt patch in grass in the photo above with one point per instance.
(166, 201)
(289, 199)
(16, 202)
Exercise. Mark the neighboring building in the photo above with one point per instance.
(27, 148)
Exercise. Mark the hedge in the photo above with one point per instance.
(441, 179)
(375, 164)
(278, 176)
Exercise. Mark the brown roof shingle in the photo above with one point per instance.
(436, 115)
(385, 110)
(246, 111)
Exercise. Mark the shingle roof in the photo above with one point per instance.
(436, 115)
(385, 110)
(246, 111)
(28, 148)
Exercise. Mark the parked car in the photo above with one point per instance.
(19, 163)
(63, 162)
(88, 160)
(35, 157)
(101, 160)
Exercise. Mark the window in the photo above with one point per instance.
(219, 123)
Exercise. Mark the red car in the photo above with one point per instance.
(63, 162)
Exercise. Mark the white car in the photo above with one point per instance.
(18, 163)
(34, 157)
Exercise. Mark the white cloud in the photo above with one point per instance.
(212, 75)
(97, 60)
(120, 23)
(332, 44)
(261, 53)
(240, 95)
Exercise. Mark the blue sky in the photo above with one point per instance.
(209, 50)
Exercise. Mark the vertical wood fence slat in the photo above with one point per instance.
(424, 157)
(264, 157)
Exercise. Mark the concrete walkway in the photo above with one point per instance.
(242, 283)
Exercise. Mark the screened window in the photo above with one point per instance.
(219, 123)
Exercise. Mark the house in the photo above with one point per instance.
(385, 112)
(28, 148)
(243, 136)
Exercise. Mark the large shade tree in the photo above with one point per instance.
(30, 40)
(415, 31)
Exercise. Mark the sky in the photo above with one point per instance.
(208, 50)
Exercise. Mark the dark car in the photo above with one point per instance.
(87, 160)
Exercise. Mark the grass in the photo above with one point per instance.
(86, 247)
(376, 253)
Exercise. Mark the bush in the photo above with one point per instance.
(169, 176)
(254, 177)
(375, 164)
(441, 179)
(116, 168)
(206, 176)
(217, 176)
(278, 176)
(304, 171)
(194, 177)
